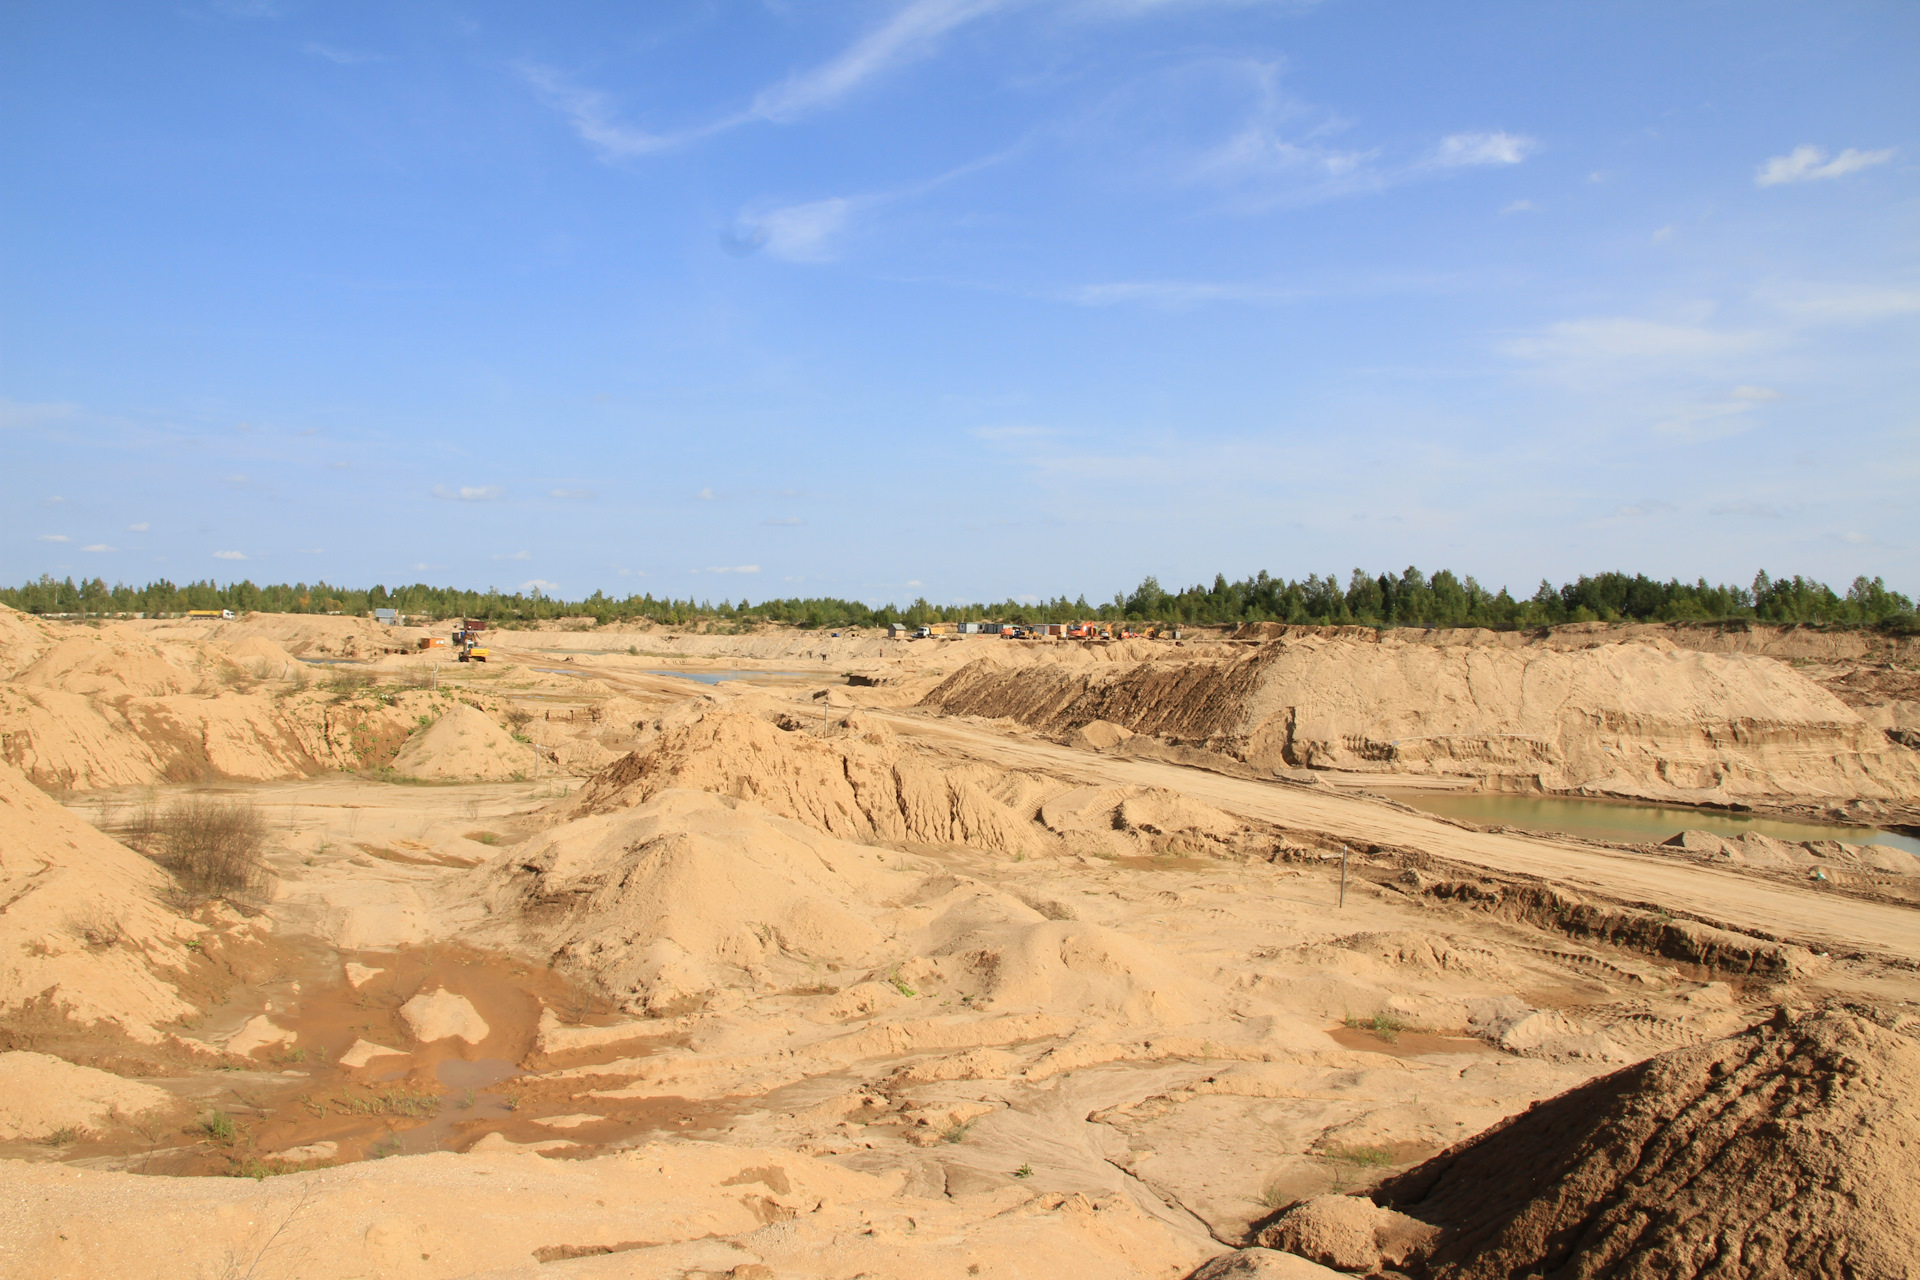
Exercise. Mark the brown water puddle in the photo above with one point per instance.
(442, 1096)
(1407, 1044)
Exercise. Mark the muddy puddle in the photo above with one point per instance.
(1407, 1043)
(312, 1100)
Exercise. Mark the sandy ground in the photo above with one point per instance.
(814, 982)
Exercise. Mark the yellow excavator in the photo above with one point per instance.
(467, 640)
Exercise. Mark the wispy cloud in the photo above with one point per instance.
(52, 537)
(794, 233)
(467, 493)
(142, 527)
(1176, 293)
(1615, 340)
(1482, 148)
(738, 568)
(229, 555)
(541, 585)
(98, 546)
(1845, 306)
(515, 555)
(785, 522)
(15, 414)
(595, 117)
(570, 495)
(341, 57)
(1810, 164)
(911, 33)
(1521, 206)
(1644, 508)
(706, 495)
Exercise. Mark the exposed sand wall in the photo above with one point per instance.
(1639, 719)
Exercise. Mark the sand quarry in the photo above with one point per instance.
(645, 954)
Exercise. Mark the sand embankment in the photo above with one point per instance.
(1641, 718)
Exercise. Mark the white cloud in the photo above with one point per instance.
(52, 537)
(1755, 394)
(1810, 164)
(142, 527)
(53, 500)
(517, 555)
(1482, 148)
(229, 555)
(15, 414)
(568, 495)
(467, 492)
(541, 585)
(1645, 507)
(1858, 306)
(784, 521)
(911, 33)
(705, 495)
(1719, 418)
(341, 57)
(1617, 339)
(738, 568)
(915, 582)
(1662, 235)
(98, 546)
(1175, 293)
(1521, 206)
(592, 115)
(795, 233)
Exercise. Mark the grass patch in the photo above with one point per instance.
(957, 1133)
(1024, 1171)
(1384, 1025)
(484, 837)
(1358, 1157)
(218, 1126)
(900, 983)
(389, 1102)
(65, 1135)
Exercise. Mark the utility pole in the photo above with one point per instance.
(1343, 877)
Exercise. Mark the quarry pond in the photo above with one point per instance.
(1626, 822)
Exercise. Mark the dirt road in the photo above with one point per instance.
(1815, 919)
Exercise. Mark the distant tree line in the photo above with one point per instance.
(1408, 599)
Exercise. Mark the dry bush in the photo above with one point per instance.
(214, 848)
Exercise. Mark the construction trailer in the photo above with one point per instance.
(898, 631)
(225, 615)
(390, 617)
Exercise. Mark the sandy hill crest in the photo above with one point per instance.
(83, 929)
(863, 784)
(465, 745)
(1789, 1150)
(1641, 718)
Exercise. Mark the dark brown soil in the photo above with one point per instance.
(1790, 1150)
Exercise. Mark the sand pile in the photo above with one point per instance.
(41, 1095)
(23, 638)
(1641, 718)
(108, 663)
(858, 787)
(1790, 1150)
(465, 745)
(83, 930)
(679, 1209)
(693, 893)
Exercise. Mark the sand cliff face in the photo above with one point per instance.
(1641, 718)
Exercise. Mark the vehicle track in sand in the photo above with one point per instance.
(1723, 898)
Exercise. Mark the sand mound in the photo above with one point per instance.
(465, 745)
(1638, 718)
(693, 893)
(41, 1095)
(1791, 1149)
(107, 664)
(23, 638)
(82, 927)
(1350, 1233)
(865, 787)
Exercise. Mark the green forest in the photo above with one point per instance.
(1407, 599)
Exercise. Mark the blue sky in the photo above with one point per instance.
(957, 298)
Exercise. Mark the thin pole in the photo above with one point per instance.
(1343, 877)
